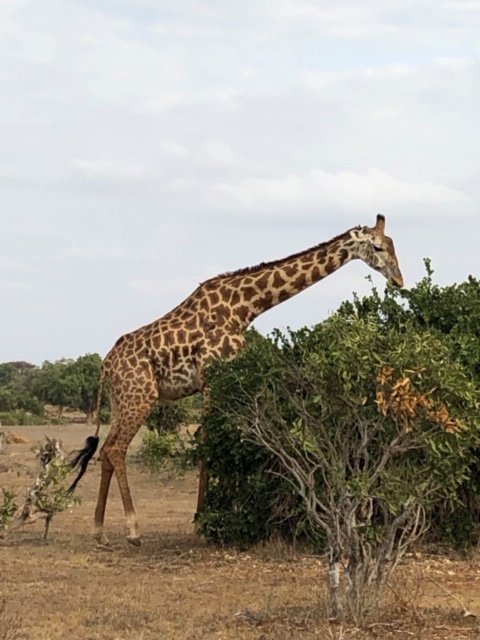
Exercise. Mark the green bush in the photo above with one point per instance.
(246, 500)
(167, 417)
(452, 312)
(8, 507)
(157, 448)
(330, 373)
(21, 418)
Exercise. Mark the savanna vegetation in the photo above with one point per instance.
(355, 437)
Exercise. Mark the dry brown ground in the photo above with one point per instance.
(174, 587)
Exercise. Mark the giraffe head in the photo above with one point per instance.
(378, 251)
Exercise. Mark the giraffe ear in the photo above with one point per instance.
(380, 225)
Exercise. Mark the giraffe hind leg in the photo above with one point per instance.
(105, 479)
(128, 421)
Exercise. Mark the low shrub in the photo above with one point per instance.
(157, 448)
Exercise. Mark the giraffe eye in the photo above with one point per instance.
(377, 248)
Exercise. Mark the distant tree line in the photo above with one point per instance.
(25, 389)
(67, 384)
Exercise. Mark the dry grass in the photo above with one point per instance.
(15, 438)
(174, 587)
(10, 624)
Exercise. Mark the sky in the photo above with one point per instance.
(146, 146)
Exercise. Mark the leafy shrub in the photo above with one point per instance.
(46, 497)
(163, 441)
(167, 417)
(21, 418)
(339, 361)
(452, 312)
(246, 500)
(157, 448)
(8, 508)
(352, 429)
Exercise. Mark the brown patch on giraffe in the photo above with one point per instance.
(225, 293)
(267, 299)
(235, 299)
(221, 314)
(191, 323)
(214, 298)
(175, 356)
(248, 293)
(330, 265)
(334, 247)
(226, 346)
(290, 270)
(278, 280)
(301, 282)
(262, 282)
(214, 337)
(243, 312)
(169, 338)
(283, 295)
(321, 254)
(234, 283)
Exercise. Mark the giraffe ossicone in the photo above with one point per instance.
(166, 359)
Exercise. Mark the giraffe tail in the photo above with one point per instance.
(84, 455)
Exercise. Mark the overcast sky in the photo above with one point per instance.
(146, 145)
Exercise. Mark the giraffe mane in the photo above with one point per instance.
(244, 271)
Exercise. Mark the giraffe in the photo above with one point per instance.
(166, 359)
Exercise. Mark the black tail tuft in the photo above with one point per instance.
(82, 459)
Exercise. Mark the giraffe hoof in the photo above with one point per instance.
(101, 540)
(135, 542)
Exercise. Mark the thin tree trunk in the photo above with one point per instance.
(334, 558)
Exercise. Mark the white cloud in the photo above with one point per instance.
(463, 6)
(219, 154)
(173, 149)
(109, 169)
(174, 287)
(158, 101)
(314, 11)
(445, 62)
(384, 114)
(15, 286)
(161, 287)
(102, 253)
(345, 191)
(139, 144)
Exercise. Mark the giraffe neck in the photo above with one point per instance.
(270, 284)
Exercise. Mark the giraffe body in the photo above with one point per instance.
(166, 359)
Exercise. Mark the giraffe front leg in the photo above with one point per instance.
(131, 409)
(203, 470)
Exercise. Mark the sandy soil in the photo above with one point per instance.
(176, 587)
